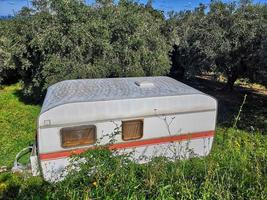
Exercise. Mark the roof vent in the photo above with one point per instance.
(144, 84)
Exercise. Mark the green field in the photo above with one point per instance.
(236, 168)
(218, 47)
(17, 124)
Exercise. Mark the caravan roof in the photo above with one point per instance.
(89, 90)
(88, 100)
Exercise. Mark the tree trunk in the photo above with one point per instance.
(176, 71)
(231, 78)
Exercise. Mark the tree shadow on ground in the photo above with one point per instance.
(27, 99)
(254, 113)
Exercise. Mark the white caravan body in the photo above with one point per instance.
(166, 117)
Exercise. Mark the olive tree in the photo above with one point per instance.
(226, 38)
(238, 31)
(191, 54)
(8, 71)
(71, 40)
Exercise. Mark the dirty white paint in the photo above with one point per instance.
(168, 108)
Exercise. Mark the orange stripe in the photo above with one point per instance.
(132, 144)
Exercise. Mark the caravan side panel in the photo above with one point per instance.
(174, 136)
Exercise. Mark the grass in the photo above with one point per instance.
(235, 169)
(17, 124)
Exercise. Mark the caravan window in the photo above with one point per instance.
(132, 130)
(78, 136)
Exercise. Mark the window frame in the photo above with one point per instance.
(132, 120)
(77, 127)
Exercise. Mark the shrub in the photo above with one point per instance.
(8, 72)
(225, 174)
(225, 39)
(235, 169)
(9, 186)
(72, 40)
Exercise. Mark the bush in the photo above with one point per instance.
(9, 186)
(8, 72)
(225, 174)
(235, 169)
(73, 40)
(19, 186)
(226, 38)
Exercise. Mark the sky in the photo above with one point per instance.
(9, 7)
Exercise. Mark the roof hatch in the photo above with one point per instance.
(144, 84)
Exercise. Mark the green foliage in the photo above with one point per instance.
(7, 67)
(225, 174)
(72, 40)
(225, 39)
(191, 55)
(15, 186)
(239, 32)
(58, 40)
(9, 186)
(235, 169)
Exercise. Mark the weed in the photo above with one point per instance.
(235, 169)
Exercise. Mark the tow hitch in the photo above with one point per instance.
(32, 166)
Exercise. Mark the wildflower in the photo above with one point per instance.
(3, 186)
(94, 183)
(237, 144)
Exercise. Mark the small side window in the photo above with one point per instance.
(132, 130)
(78, 136)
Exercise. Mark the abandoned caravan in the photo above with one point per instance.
(152, 115)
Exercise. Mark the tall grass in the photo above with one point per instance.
(17, 124)
(235, 169)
